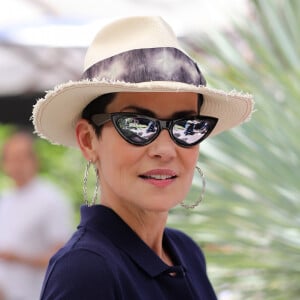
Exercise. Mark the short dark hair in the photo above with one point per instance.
(97, 106)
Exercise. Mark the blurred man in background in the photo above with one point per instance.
(35, 221)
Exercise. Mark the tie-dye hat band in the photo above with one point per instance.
(150, 64)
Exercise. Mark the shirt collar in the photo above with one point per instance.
(105, 220)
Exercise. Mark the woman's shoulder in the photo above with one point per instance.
(74, 273)
(84, 253)
(86, 245)
(78, 259)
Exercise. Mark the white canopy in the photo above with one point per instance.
(43, 42)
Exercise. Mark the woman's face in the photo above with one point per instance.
(155, 177)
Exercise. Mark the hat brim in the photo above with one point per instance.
(55, 115)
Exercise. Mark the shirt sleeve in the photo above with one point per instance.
(80, 275)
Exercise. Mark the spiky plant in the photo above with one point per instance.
(249, 224)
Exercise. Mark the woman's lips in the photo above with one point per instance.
(159, 177)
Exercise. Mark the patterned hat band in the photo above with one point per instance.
(149, 64)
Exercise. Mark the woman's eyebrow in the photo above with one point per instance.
(139, 110)
(183, 113)
(150, 113)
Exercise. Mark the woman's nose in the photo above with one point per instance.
(163, 146)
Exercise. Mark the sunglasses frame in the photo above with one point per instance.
(100, 119)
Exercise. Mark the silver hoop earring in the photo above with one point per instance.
(85, 179)
(191, 206)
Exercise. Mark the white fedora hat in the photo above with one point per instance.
(136, 54)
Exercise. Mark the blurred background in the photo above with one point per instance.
(249, 224)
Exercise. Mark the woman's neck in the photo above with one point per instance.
(149, 226)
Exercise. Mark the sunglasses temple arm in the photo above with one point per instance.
(100, 119)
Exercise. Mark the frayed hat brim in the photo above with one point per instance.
(55, 116)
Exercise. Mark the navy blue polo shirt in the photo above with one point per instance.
(105, 259)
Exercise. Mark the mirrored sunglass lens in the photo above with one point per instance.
(136, 129)
(191, 131)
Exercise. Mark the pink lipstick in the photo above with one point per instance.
(159, 177)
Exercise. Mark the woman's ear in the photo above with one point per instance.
(85, 135)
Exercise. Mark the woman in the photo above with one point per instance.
(138, 116)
